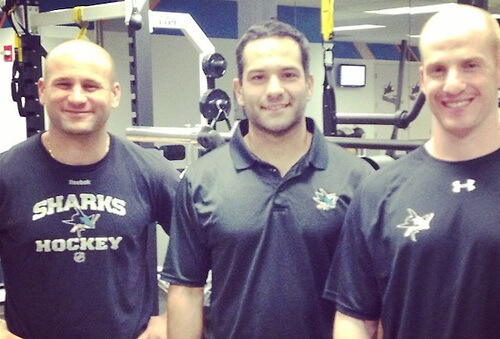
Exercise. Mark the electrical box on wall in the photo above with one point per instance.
(7, 53)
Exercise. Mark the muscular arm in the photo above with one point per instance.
(346, 327)
(184, 312)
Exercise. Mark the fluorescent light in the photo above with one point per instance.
(356, 27)
(412, 10)
(496, 16)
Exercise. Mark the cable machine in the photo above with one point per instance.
(27, 21)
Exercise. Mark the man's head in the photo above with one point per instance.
(268, 29)
(274, 85)
(460, 72)
(79, 89)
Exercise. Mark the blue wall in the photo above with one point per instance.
(219, 19)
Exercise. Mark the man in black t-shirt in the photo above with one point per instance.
(420, 248)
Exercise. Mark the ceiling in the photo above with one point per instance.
(398, 27)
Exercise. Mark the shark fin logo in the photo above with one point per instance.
(325, 201)
(82, 222)
(414, 224)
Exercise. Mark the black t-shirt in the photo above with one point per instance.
(420, 249)
(78, 243)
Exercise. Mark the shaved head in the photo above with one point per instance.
(457, 20)
(460, 77)
(80, 50)
(79, 89)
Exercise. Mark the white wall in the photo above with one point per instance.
(12, 126)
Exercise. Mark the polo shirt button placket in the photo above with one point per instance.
(273, 171)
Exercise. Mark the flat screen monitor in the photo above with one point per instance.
(351, 75)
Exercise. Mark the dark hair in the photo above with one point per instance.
(268, 29)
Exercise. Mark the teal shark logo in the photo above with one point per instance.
(82, 222)
(325, 201)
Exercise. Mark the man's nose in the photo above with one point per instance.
(77, 94)
(454, 83)
(274, 88)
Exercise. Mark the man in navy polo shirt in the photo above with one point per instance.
(263, 212)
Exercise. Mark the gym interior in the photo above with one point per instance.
(173, 44)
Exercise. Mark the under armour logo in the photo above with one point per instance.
(457, 186)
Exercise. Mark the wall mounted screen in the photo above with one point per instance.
(351, 75)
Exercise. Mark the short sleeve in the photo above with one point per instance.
(351, 281)
(187, 259)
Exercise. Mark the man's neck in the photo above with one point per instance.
(450, 147)
(281, 151)
(76, 149)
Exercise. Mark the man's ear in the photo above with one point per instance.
(237, 91)
(41, 90)
(423, 85)
(310, 86)
(498, 69)
(116, 93)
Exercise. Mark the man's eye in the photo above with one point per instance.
(257, 77)
(471, 66)
(91, 87)
(436, 71)
(63, 85)
(290, 75)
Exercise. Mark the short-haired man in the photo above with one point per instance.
(420, 248)
(264, 211)
(78, 209)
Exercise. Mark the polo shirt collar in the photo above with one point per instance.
(243, 158)
(318, 153)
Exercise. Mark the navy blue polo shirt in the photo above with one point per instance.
(268, 239)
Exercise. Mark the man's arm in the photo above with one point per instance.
(346, 327)
(4, 332)
(184, 312)
(157, 328)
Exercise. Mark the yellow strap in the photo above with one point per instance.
(18, 47)
(11, 10)
(78, 18)
(327, 12)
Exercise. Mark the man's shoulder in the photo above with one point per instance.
(213, 162)
(145, 159)
(396, 171)
(347, 159)
(340, 152)
(143, 154)
(21, 151)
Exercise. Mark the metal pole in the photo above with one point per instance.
(99, 37)
(141, 86)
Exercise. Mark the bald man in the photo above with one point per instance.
(420, 248)
(78, 209)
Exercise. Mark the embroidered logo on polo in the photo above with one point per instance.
(468, 185)
(414, 224)
(80, 222)
(325, 201)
